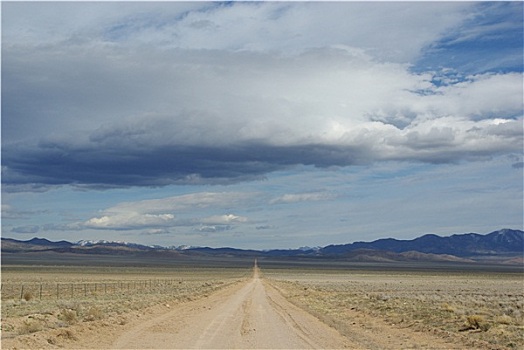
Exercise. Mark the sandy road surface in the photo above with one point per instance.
(252, 315)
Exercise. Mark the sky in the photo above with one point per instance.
(260, 124)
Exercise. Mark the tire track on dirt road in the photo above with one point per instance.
(251, 315)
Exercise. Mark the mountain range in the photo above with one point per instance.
(504, 245)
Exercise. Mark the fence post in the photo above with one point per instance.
(22, 292)
(40, 291)
(57, 291)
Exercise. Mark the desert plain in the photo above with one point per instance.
(262, 304)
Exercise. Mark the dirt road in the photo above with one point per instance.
(248, 316)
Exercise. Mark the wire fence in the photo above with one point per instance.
(72, 290)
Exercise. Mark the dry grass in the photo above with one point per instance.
(67, 334)
(474, 322)
(473, 308)
(32, 312)
(30, 326)
(69, 316)
(94, 313)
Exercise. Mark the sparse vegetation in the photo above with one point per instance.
(480, 310)
(504, 319)
(30, 326)
(94, 313)
(476, 322)
(90, 308)
(68, 315)
(67, 334)
(28, 296)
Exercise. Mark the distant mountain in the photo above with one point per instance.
(504, 241)
(372, 255)
(84, 243)
(224, 251)
(45, 242)
(34, 244)
(505, 245)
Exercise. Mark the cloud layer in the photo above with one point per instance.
(198, 213)
(162, 94)
(200, 116)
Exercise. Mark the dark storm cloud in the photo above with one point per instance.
(125, 162)
(104, 167)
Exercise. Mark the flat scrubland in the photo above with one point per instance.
(471, 308)
(474, 308)
(28, 319)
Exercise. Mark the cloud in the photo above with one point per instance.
(223, 219)
(302, 197)
(214, 228)
(7, 211)
(184, 203)
(10, 212)
(393, 30)
(26, 229)
(156, 231)
(264, 227)
(123, 221)
(330, 107)
(157, 216)
(161, 95)
(489, 39)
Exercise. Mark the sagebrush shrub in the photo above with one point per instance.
(30, 326)
(477, 322)
(68, 316)
(28, 296)
(94, 313)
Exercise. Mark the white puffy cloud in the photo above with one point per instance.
(129, 220)
(480, 96)
(161, 214)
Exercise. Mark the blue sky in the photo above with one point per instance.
(260, 125)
